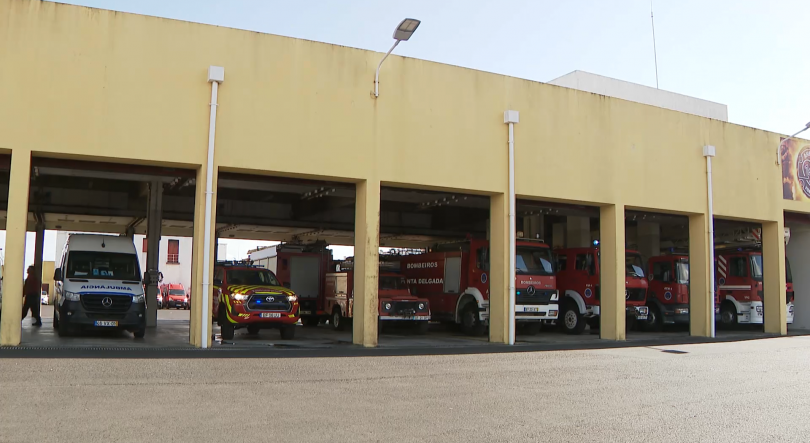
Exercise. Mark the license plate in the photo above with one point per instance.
(270, 315)
(106, 323)
(306, 312)
(641, 317)
(530, 309)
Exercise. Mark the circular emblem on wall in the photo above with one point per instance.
(483, 278)
(588, 292)
(722, 281)
(667, 295)
(803, 170)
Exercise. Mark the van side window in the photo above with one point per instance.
(562, 262)
(739, 266)
(482, 259)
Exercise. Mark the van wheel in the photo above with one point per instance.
(55, 318)
(287, 332)
(226, 327)
(470, 322)
(65, 330)
(572, 322)
(337, 320)
(140, 333)
(728, 314)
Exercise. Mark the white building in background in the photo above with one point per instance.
(175, 256)
(634, 92)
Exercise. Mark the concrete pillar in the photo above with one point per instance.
(611, 233)
(701, 298)
(798, 251)
(154, 217)
(773, 277)
(558, 235)
(499, 269)
(16, 225)
(533, 226)
(366, 263)
(648, 236)
(197, 296)
(579, 231)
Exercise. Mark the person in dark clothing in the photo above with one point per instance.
(32, 293)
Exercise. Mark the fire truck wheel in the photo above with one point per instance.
(337, 320)
(287, 332)
(728, 314)
(654, 322)
(470, 323)
(253, 330)
(421, 327)
(572, 321)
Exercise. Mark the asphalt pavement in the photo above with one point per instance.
(751, 391)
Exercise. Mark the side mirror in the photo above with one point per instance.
(217, 282)
(57, 274)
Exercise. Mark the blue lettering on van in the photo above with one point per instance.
(116, 288)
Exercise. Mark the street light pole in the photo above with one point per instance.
(779, 149)
(404, 31)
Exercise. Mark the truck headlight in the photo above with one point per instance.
(421, 306)
(138, 298)
(387, 306)
(292, 298)
(555, 295)
(239, 297)
(71, 296)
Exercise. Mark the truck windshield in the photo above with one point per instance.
(533, 261)
(682, 268)
(177, 292)
(633, 266)
(391, 282)
(756, 267)
(251, 277)
(788, 272)
(103, 265)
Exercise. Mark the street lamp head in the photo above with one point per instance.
(807, 126)
(406, 29)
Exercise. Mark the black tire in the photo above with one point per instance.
(571, 321)
(338, 320)
(253, 330)
(421, 327)
(287, 332)
(532, 328)
(471, 324)
(225, 327)
(654, 322)
(64, 329)
(728, 314)
(140, 333)
(311, 322)
(55, 318)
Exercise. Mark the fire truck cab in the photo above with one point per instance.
(247, 296)
(454, 277)
(395, 300)
(739, 286)
(578, 277)
(668, 291)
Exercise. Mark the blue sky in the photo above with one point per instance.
(751, 55)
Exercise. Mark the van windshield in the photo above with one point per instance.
(103, 265)
(533, 261)
(177, 292)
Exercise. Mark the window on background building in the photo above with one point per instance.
(174, 252)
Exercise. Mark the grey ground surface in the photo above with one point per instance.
(752, 391)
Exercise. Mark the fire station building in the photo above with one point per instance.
(89, 97)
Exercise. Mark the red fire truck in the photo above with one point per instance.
(455, 278)
(247, 296)
(395, 300)
(301, 268)
(668, 292)
(578, 278)
(739, 286)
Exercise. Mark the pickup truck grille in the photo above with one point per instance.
(260, 302)
(115, 303)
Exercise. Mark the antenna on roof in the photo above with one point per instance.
(655, 52)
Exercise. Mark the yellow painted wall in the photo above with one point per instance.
(79, 82)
